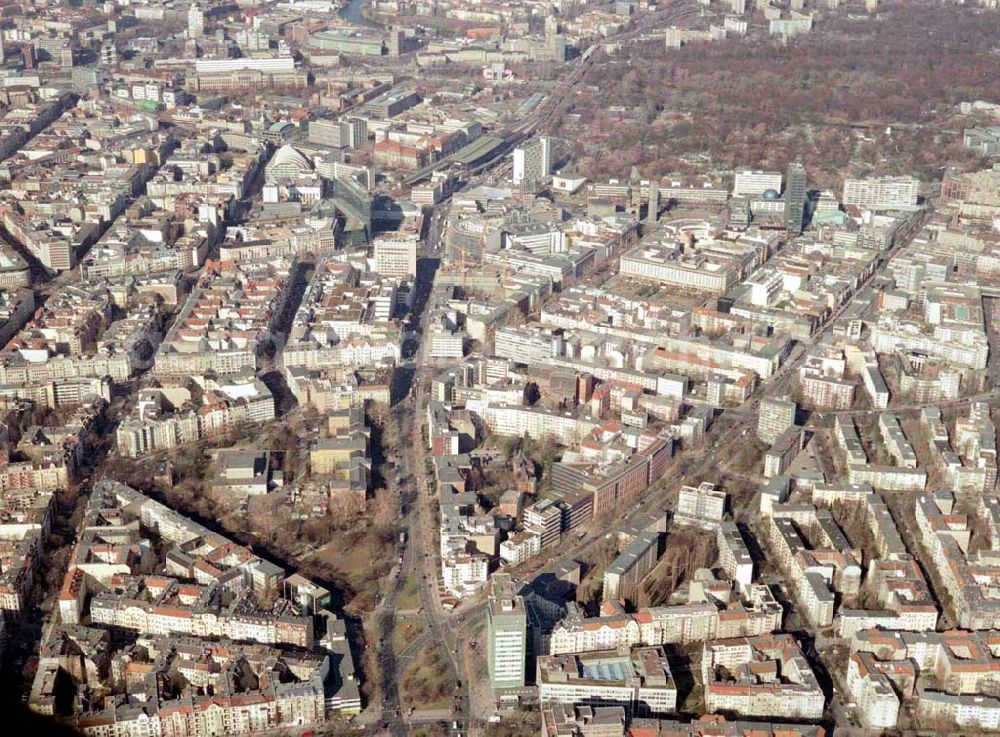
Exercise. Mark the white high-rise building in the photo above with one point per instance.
(755, 182)
(396, 257)
(882, 193)
(196, 22)
(508, 641)
(702, 506)
(533, 161)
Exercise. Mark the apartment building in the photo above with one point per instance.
(775, 416)
(25, 522)
(950, 330)
(966, 711)
(822, 383)
(16, 308)
(969, 579)
(782, 453)
(713, 611)
(896, 444)
(741, 676)
(166, 417)
(961, 664)
(870, 684)
(815, 571)
(874, 383)
(535, 422)
(926, 380)
(701, 506)
(533, 162)
(529, 344)
(888, 478)
(344, 320)
(624, 575)
(734, 555)
(904, 600)
(226, 316)
(191, 594)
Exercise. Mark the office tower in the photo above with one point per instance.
(557, 46)
(533, 162)
(795, 198)
(396, 257)
(508, 634)
(344, 133)
(395, 42)
(196, 22)
(653, 208)
(357, 131)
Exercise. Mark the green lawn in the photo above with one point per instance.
(406, 631)
(426, 683)
(409, 595)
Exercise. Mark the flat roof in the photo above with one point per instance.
(478, 149)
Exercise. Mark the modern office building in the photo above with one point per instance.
(795, 198)
(753, 182)
(392, 103)
(882, 193)
(653, 207)
(640, 681)
(702, 271)
(396, 257)
(349, 133)
(508, 634)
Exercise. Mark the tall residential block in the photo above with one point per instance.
(776, 416)
(533, 162)
(196, 22)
